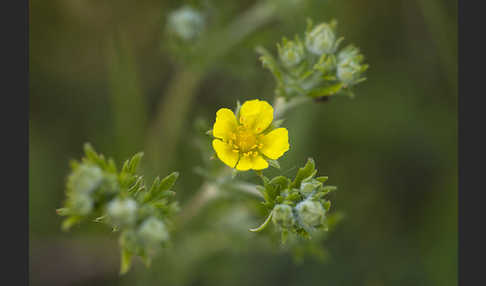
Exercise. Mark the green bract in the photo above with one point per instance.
(97, 190)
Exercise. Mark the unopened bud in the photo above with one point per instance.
(186, 23)
(80, 204)
(321, 40)
(153, 232)
(291, 53)
(349, 66)
(311, 213)
(85, 179)
(122, 211)
(283, 216)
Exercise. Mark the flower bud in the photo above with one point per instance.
(80, 204)
(321, 40)
(291, 53)
(153, 232)
(122, 211)
(85, 179)
(349, 66)
(283, 216)
(311, 213)
(186, 23)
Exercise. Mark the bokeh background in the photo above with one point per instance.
(102, 72)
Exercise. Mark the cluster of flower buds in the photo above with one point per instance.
(315, 67)
(297, 206)
(97, 190)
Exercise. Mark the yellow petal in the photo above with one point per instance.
(256, 115)
(275, 143)
(225, 153)
(258, 163)
(255, 162)
(225, 124)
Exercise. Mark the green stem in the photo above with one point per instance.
(165, 131)
(264, 224)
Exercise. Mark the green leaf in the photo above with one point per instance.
(269, 62)
(126, 260)
(168, 182)
(322, 179)
(326, 91)
(135, 162)
(70, 221)
(307, 171)
(92, 156)
(327, 205)
(327, 189)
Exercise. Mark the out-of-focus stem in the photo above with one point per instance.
(207, 192)
(165, 131)
(281, 106)
(444, 34)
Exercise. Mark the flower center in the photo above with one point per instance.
(244, 141)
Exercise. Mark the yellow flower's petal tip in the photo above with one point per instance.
(252, 163)
(225, 153)
(225, 123)
(256, 114)
(275, 143)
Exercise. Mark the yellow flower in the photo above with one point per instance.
(242, 143)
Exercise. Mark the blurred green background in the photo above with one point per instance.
(100, 72)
